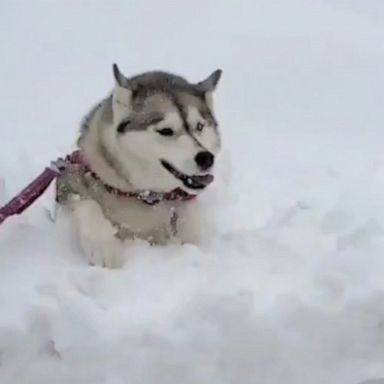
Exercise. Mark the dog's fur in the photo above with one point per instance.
(148, 121)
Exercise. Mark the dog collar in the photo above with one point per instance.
(146, 196)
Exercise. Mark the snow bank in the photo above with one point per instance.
(291, 288)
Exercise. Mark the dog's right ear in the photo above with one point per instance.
(119, 77)
(122, 96)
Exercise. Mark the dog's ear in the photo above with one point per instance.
(121, 80)
(210, 83)
(207, 86)
(122, 96)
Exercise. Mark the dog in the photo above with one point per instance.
(148, 150)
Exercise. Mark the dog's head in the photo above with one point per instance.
(165, 129)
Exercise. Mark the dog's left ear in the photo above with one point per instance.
(122, 96)
(210, 83)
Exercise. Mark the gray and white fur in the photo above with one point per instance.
(155, 132)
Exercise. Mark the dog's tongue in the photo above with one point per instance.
(203, 179)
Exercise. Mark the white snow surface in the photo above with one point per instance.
(288, 287)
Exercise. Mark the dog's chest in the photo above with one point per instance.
(140, 219)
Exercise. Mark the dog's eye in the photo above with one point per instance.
(166, 131)
(199, 127)
(123, 126)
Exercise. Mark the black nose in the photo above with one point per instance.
(204, 160)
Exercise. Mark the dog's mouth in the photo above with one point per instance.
(192, 182)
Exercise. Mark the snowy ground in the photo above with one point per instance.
(291, 289)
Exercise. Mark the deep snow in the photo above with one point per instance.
(290, 289)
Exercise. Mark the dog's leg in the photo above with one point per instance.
(97, 235)
(190, 223)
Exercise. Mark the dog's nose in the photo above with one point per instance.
(204, 160)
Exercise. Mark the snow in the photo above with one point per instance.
(289, 286)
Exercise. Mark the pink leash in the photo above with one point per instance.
(38, 186)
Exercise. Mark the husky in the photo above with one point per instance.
(148, 150)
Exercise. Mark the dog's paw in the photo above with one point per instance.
(103, 252)
(98, 237)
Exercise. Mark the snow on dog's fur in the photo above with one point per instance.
(156, 132)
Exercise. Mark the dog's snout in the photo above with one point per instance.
(204, 160)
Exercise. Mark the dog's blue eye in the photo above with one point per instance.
(199, 127)
(166, 131)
